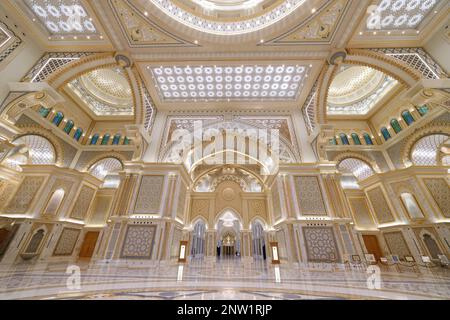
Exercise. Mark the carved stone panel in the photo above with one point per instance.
(397, 244)
(441, 194)
(149, 197)
(138, 243)
(320, 244)
(200, 207)
(67, 242)
(24, 196)
(83, 203)
(361, 212)
(380, 205)
(309, 195)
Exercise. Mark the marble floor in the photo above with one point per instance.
(219, 280)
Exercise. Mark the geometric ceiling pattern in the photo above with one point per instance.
(233, 27)
(321, 27)
(105, 167)
(356, 90)
(104, 91)
(399, 14)
(62, 17)
(229, 82)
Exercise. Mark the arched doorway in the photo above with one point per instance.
(228, 231)
(258, 241)
(198, 240)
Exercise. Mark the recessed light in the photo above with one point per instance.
(146, 13)
(261, 41)
(313, 10)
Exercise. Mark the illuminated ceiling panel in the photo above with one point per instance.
(228, 27)
(356, 90)
(229, 82)
(399, 14)
(105, 91)
(62, 17)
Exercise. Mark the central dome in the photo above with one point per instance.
(228, 5)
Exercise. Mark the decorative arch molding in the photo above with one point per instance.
(394, 68)
(102, 156)
(347, 154)
(439, 128)
(17, 106)
(74, 70)
(197, 219)
(258, 219)
(59, 151)
(236, 214)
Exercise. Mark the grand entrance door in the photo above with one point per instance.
(90, 240)
(228, 247)
(372, 246)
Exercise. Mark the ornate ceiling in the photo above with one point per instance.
(357, 89)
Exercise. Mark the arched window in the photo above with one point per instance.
(55, 202)
(58, 118)
(410, 203)
(94, 139)
(78, 134)
(406, 115)
(333, 141)
(423, 110)
(105, 167)
(425, 150)
(198, 240)
(116, 139)
(126, 141)
(368, 139)
(344, 139)
(44, 112)
(40, 151)
(356, 139)
(360, 169)
(105, 139)
(385, 133)
(69, 126)
(258, 245)
(35, 242)
(396, 126)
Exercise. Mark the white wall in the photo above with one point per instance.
(439, 47)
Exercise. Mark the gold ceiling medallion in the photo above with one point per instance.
(139, 30)
(321, 26)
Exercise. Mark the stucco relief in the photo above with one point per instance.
(276, 202)
(257, 207)
(380, 205)
(83, 203)
(200, 207)
(320, 244)
(397, 244)
(138, 243)
(149, 197)
(67, 242)
(309, 195)
(361, 212)
(181, 202)
(24, 196)
(440, 192)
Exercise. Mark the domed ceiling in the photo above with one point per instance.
(105, 92)
(228, 17)
(356, 90)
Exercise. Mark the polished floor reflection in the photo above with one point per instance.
(220, 280)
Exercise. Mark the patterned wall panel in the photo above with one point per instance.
(320, 244)
(397, 244)
(149, 197)
(67, 242)
(276, 202)
(309, 195)
(181, 201)
(380, 205)
(83, 203)
(8, 41)
(6, 191)
(24, 196)
(200, 207)
(361, 212)
(138, 243)
(441, 194)
(257, 207)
